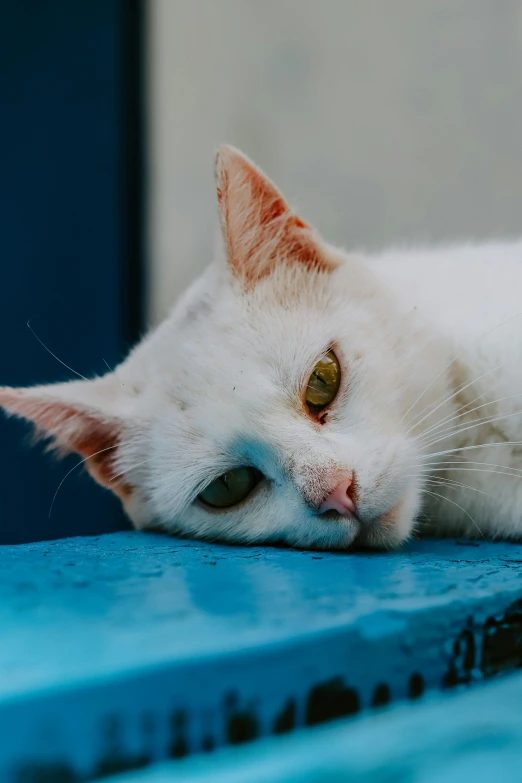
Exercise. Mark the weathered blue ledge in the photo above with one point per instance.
(126, 649)
(473, 736)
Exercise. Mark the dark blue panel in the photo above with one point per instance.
(64, 228)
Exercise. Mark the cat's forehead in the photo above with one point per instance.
(226, 364)
(216, 328)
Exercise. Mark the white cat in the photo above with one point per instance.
(301, 394)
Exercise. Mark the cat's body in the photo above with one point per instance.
(301, 394)
(471, 297)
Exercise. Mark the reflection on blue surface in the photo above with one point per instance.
(190, 598)
(215, 644)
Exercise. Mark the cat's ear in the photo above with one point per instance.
(78, 416)
(260, 230)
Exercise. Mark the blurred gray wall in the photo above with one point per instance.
(383, 121)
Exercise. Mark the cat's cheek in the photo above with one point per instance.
(396, 525)
(136, 509)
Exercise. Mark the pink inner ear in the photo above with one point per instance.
(72, 430)
(259, 227)
(271, 204)
(71, 426)
(244, 189)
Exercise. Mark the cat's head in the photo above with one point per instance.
(271, 405)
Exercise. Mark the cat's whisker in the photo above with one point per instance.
(465, 412)
(443, 497)
(425, 516)
(428, 387)
(423, 524)
(139, 464)
(462, 412)
(53, 354)
(447, 366)
(458, 414)
(414, 423)
(517, 475)
(427, 440)
(78, 464)
(464, 408)
(451, 396)
(90, 456)
(453, 462)
(445, 482)
(470, 448)
(457, 430)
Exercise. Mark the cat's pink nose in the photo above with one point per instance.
(340, 499)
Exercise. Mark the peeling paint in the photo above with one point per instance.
(330, 700)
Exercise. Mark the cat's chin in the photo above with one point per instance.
(334, 532)
(391, 529)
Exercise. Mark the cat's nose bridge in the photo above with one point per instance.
(312, 465)
(323, 483)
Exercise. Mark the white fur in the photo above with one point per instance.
(421, 340)
(398, 320)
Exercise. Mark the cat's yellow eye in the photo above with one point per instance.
(323, 383)
(230, 488)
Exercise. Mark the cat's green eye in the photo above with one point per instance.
(230, 488)
(323, 383)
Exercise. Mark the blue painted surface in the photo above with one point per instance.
(64, 262)
(160, 647)
(473, 736)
